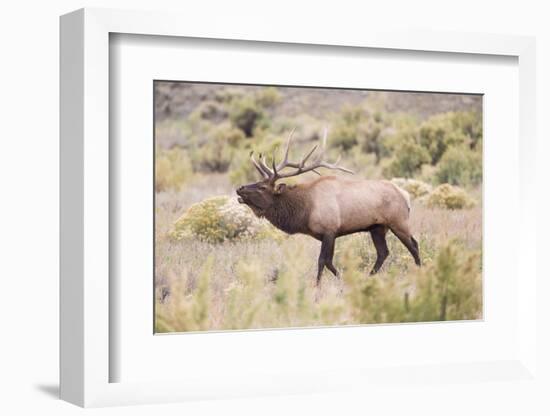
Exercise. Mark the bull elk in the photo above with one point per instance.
(330, 206)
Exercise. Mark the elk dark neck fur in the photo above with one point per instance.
(290, 211)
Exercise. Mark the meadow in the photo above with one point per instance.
(219, 268)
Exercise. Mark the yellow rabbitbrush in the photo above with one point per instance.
(219, 219)
(449, 197)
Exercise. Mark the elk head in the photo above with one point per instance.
(260, 196)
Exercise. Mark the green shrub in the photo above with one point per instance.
(214, 156)
(215, 146)
(449, 288)
(308, 128)
(361, 163)
(246, 114)
(433, 136)
(374, 300)
(373, 134)
(185, 313)
(209, 110)
(449, 197)
(343, 136)
(404, 122)
(415, 188)
(407, 160)
(460, 166)
(241, 170)
(268, 97)
(345, 132)
(220, 219)
(427, 174)
(244, 302)
(228, 94)
(172, 169)
(225, 134)
(470, 123)
(372, 140)
(442, 131)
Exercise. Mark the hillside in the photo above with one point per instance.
(176, 100)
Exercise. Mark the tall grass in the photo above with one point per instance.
(269, 284)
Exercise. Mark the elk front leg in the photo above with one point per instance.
(325, 257)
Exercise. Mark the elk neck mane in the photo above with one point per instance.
(290, 210)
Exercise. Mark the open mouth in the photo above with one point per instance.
(240, 198)
(244, 200)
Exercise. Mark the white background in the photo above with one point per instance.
(29, 209)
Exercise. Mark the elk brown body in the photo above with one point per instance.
(331, 206)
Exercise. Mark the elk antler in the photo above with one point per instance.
(265, 173)
(275, 172)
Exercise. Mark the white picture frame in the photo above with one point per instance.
(86, 356)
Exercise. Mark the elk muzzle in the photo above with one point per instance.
(241, 191)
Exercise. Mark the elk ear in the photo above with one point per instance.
(280, 188)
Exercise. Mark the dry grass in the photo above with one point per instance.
(268, 284)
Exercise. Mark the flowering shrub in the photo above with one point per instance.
(449, 197)
(220, 219)
(415, 188)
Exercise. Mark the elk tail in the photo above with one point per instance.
(405, 195)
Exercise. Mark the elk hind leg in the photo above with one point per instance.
(404, 235)
(378, 235)
(325, 257)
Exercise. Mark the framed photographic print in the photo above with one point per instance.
(272, 214)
